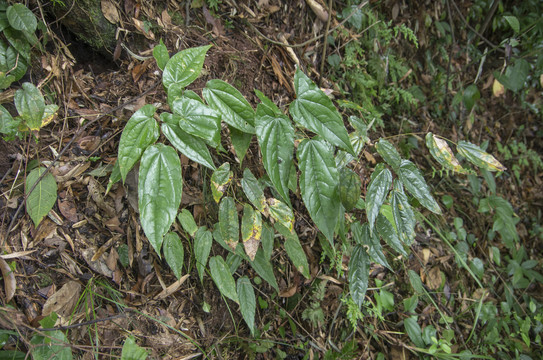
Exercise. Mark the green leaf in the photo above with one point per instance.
(42, 199)
(114, 177)
(30, 105)
(21, 18)
(190, 146)
(240, 141)
(386, 230)
(416, 282)
(294, 250)
(222, 278)
(362, 236)
(389, 153)
(272, 109)
(53, 346)
(475, 155)
(443, 154)
(264, 268)
(253, 191)
(203, 239)
(48, 114)
(404, 218)
(513, 22)
(267, 241)
(139, 132)
(199, 120)
(276, 139)
(319, 185)
(131, 350)
(470, 96)
(228, 101)
(229, 222)
(161, 55)
(413, 181)
(281, 213)
(174, 253)
(515, 76)
(414, 331)
(381, 180)
(251, 230)
(359, 272)
(184, 67)
(160, 186)
(247, 302)
(11, 63)
(8, 125)
(349, 188)
(187, 222)
(19, 42)
(313, 110)
(220, 180)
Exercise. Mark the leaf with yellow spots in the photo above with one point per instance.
(281, 213)
(251, 230)
(443, 154)
(475, 155)
(253, 191)
(49, 114)
(229, 222)
(220, 180)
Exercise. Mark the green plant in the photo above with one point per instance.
(17, 24)
(328, 187)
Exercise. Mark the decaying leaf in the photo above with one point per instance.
(251, 230)
(9, 280)
(63, 301)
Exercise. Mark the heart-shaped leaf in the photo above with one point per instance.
(228, 101)
(190, 146)
(199, 120)
(319, 185)
(413, 181)
(139, 132)
(42, 199)
(184, 67)
(160, 187)
(30, 105)
(223, 278)
(276, 139)
(313, 110)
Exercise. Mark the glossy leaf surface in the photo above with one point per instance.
(21, 18)
(359, 272)
(386, 230)
(197, 119)
(161, 55)
(160, 186)
(389, 153)
(319, 185)
(42, 199)
(184, 67)
(253, 191)
(190, 146)
(139, 132)
(220, 180)
(228, 101)
(313, 110)
(413, 181)
(276, 139)
(229, 222)
(281, 213)
(380, 183)
(174, 253)
(223, 278)
(187, 222)
(404, 218)
(362, 235)
(475, 155)
(240, 141)
(247, 302)
(270, 105)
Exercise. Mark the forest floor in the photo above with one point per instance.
(90, 262)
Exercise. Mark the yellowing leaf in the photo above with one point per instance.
(49, 114)
(220, 180)
(281, 213)
(477, 156)
(251, 230)
(497, 88)
(443, 154)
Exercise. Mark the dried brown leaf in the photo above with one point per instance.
(10, 284)
(63, 301)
